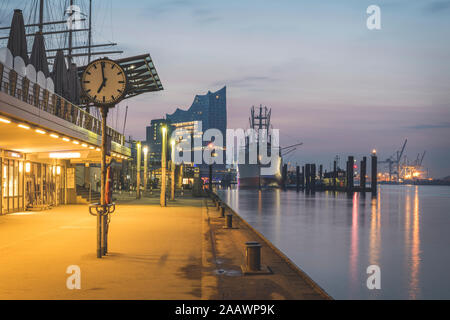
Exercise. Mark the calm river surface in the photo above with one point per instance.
(334, 238)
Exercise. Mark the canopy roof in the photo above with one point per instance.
(141, 74)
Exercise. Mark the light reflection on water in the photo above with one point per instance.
(335, 237)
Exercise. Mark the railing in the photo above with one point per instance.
(23, 89)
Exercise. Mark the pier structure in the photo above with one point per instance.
(310, 181)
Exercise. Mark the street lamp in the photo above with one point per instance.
(211, 146)
(172, 170)
(145, 149)
(163, 166)
(138, 170)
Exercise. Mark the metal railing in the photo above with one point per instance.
(25, 90)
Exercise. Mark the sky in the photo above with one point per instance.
(332, 84)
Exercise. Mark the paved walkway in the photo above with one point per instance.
(155, 253)
(177, 252)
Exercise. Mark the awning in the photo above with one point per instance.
(141, 73)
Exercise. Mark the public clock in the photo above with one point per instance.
(104, 82)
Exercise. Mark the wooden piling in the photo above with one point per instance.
(313, 177)
(350, 163)
(374, 175)
(334, 175)
(362, 174)
(307, 176)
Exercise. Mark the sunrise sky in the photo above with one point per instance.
(331, 83)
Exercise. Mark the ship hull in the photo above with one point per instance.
(249, 176)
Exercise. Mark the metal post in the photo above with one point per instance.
(253, 255)
(374, 174)
(100, 218)
(163, 202)
(229, 221)
(138, 170)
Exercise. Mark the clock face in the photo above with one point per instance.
(104, 82)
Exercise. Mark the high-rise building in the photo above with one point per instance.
(210, 109)
(154, 139)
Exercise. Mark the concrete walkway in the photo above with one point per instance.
(177, 252)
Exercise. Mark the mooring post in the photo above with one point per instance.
(253, 255)
(362, 175)
(222, 211)
(307, 176)
(374, 174)
(350, 163)
(313, 177)
(229, 221)
(320, 173)
(334, 175)
(302, 180)
(297, 174)
(284, 176)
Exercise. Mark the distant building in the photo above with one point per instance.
(154, 140)
(210, 109)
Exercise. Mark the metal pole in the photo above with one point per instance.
(145, 168)
(41, 15)
(210, 178)
(138, 170)
(69, 56)
(104, 111)
(90, 31)
(163, 167)
(172, 180)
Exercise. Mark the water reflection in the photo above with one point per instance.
(335, 238)
(415, 248)
(354, 273)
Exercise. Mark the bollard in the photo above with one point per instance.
(222, 212)
(218, 205)
(253, 256)
(229, 221)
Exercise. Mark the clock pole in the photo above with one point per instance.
(102, 218)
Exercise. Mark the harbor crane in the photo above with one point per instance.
(393, 162)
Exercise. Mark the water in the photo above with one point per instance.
(405, 230)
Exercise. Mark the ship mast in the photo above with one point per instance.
(41, 16)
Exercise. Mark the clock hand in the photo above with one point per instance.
(101, 86)
(103, 71)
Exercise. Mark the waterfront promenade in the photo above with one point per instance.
(177, 252)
